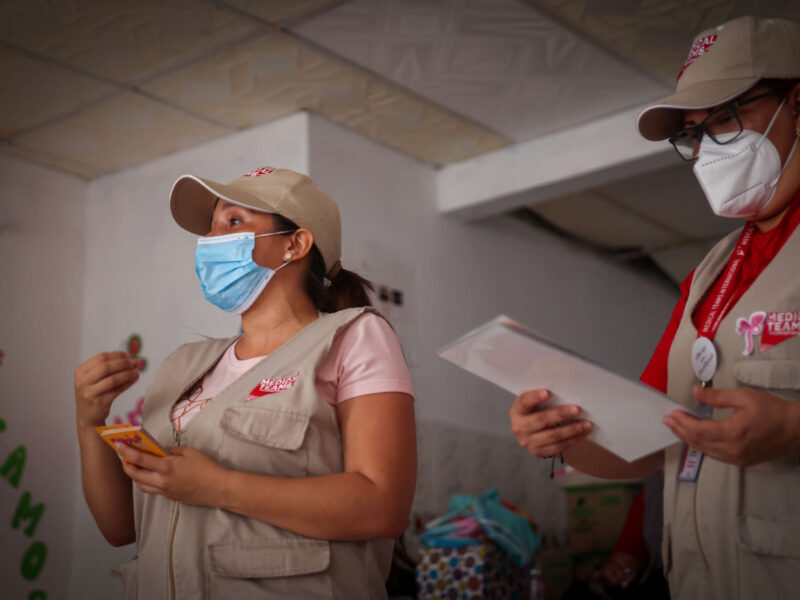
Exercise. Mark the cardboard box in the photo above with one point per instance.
(596, 515)
(556, 568)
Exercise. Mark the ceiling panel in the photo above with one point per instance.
(277, 74)
(600, 220)
(35, 91)
(656, 34)
(281, 13)
(59, 162)
(119, 133)
(119, 39)
(672, 197)
(499, 62)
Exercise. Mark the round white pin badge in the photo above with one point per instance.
(704, 359)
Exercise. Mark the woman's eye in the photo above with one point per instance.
(233, 221)
(721, 122)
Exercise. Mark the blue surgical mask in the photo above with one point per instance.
(229, 277)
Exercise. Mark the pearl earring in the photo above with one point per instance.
(287, 256)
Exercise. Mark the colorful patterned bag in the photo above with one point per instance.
(471, 572)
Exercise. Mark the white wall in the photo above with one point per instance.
(455, 276)
(139, 278)
(41, 293)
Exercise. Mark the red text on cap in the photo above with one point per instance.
(699, 48)
(258, 172)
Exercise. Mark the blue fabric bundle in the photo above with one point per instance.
(468, 515)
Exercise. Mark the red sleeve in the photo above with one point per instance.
(655, 373)
(631, 540)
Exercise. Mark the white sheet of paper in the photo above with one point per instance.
(626, 414)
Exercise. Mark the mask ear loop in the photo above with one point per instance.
(275, 270)
(771, 123)
(272, 233)
(788, 160)
(775, 181)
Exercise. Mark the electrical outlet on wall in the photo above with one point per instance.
(390, 295)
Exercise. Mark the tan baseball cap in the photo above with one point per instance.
(267, 189)
(723, 63)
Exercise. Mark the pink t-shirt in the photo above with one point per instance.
(365, 358)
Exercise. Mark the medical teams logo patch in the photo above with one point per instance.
(272, 386)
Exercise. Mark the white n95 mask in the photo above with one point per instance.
(739, 178)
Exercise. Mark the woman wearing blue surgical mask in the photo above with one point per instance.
(291, 448)
(731, 352)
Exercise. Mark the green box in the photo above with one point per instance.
(596, 515)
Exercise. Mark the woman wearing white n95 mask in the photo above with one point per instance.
(732, 348)
(293, 458)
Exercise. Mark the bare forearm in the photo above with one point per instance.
(343, 506)
(106, 488)
(595, 460)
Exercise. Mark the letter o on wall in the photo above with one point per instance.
(33, 561)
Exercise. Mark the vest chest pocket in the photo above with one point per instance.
(269, 568)
(778, 376)
(264, 440)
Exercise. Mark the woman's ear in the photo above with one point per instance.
(300, 243)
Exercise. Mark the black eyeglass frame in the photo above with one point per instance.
(700, 129)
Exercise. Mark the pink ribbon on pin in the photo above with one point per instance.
(750, 327)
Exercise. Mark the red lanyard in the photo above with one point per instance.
(720, 305)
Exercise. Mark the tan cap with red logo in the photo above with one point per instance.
(723, 63)
(267, 189)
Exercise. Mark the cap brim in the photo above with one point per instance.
(665, 117)
(192, 202)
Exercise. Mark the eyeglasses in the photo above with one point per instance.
(723, 126)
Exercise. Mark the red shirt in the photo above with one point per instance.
(763, 249)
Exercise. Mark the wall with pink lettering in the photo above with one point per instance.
(41, 295)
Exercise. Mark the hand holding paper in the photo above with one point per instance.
(626, 415)
(546, 431)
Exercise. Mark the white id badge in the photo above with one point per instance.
(691, 459)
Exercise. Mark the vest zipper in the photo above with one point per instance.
(700, 542)
(172, 527)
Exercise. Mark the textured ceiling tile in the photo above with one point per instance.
(34, 91)
(656, 34)
(60, 163)
(602, 221)
(119, 133)
(686, 212)
(123, 40)
(280, 12)
(276, 75)
(498, 62)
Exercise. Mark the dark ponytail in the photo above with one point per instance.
(346, 289)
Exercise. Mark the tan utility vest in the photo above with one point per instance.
(735, 533)
(193, 552)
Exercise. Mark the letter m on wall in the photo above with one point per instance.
(26, 512)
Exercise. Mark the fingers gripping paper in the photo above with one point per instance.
(626, 414)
